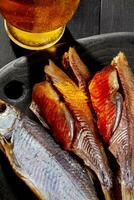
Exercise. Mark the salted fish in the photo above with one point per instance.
(126, 128)
(85, 144)
(112, 96)
(49, 171)
(105, 98)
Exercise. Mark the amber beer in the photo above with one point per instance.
(29, 21)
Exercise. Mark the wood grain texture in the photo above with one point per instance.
(117, 16)
(86, 20)
(6, 52)
(92, 17)
(96, 52)
(84, 23)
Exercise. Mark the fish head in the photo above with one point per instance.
(8, 117)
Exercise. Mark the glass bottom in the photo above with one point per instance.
(33, 41)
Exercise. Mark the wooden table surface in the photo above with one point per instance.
(92, 17)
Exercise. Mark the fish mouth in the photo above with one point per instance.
(2, 106)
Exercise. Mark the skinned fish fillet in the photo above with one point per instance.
(112, 98)
(54, 113)
(85, 144)
(126, 77)
(72, 60)
(104, 92)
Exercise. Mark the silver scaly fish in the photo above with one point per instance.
(51, 173)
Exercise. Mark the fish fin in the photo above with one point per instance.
(8, 146)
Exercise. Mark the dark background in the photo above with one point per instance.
(92, 17)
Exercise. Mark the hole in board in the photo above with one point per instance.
(14, 89)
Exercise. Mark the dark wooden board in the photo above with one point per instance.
(86, 20)
(84, 23)
(96, 52)
(116, 16)
(92, 17)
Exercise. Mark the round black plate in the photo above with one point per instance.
(18, 77)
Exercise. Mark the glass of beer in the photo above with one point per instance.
(36, 24)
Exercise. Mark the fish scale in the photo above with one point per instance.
(33, 171)
(49, 168)
(50, 172)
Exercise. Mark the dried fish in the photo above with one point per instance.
(72, 60)
(112, 100)
(85, 143)
(125, 132)
(105, 99)
(49, 108)
(49, 171)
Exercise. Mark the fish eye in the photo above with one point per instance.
(2, 107)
